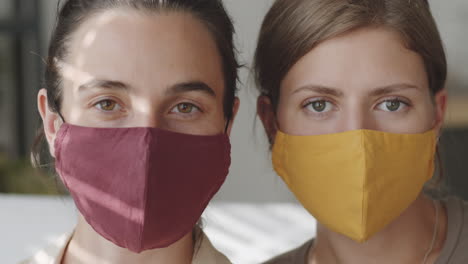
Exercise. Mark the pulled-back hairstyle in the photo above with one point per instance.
(292, 28)
(72, 14)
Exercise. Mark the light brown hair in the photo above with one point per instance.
(292, 28)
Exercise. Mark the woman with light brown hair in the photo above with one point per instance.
(353, 100)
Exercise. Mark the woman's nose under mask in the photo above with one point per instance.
(357, 182)
(141, 188)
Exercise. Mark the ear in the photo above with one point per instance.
(266, 112)
(235, 110)
(51, 120)
(440, 101)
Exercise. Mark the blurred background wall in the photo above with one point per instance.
(25, 26)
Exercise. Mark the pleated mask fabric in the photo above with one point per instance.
(357, 182)
(141, 188)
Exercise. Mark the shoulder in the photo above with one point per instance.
(457, 214)
(456, 243)
(206, 253)
(295, 256)
(462, 216)
(52, 254)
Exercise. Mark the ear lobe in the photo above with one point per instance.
(440, 99)
(266, 113)
(50, 119)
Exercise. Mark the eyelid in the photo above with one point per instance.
(403, 100)
(95, 103)
(187, 101)
(317, 99)
(319, 115)
(406, 104)
(101, 98)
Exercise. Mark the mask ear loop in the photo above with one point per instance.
(227, 125)
(61, 117)
(271, 140)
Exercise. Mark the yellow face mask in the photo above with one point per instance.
(357, 182)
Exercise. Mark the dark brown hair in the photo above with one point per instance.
(292, 28)
(74, 12)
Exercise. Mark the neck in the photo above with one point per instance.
(406, 240)
(87, 246)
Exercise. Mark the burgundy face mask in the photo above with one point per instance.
(141, 188)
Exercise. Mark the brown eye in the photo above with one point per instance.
(107, 105)
(185, 108)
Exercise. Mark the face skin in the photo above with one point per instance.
(125, 69)
(130, 69)
(366, 79)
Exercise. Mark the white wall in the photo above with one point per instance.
(452, 19)
(6, 8)
(252, 177)
(245, 233)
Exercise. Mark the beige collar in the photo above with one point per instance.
(205, 253)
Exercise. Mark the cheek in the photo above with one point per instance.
(287, 119)
(425, 120)
(420, 119)
(428, 117)
(293, 120)
(211, 123)
(70, 109)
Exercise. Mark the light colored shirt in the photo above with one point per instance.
(455, 250)
(205, 254)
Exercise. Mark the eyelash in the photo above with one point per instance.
(309, 102)
(101, 100)
(196, 107)
(401, 100)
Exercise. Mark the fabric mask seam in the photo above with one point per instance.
(364, 182)
(145, 195)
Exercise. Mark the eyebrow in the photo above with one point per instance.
(392, 88)
(376, 92)
(320, 89)
(190, 87)
(174, 89)
(96, 83)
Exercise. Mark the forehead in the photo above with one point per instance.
(359, 60)
(145, 50)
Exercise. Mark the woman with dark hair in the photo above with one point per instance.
(137, 109)
(353, 100)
